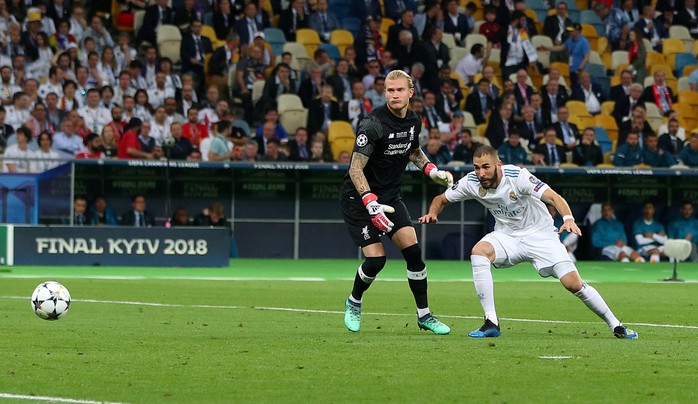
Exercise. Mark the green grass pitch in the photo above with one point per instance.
(272, 331)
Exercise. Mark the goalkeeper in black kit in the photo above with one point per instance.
(386, 141)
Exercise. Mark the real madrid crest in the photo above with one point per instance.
(482, 192)
(512, 196)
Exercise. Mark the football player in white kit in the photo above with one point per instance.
(524, 231)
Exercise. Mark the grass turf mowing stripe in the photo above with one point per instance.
(297, 310)
(52, 399)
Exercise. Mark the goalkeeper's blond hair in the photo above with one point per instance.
(397, 74)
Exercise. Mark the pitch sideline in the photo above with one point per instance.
(297, 310)
(10, 396)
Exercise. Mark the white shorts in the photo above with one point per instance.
(543, 250)
(613, 251)
(645, 249)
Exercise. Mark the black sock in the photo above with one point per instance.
(419, 290)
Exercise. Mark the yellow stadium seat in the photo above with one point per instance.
(686, 112)
(342, 39)
(689, 98)
(668, 72)
(291, 120)
(607, 107)
(340, 145)
(618, 58)
(577, 108)
(287, 102)
(563, 68)
(670, 47)
(607, 122)
(339, 130)
(687, 70)
(654, 58)
(309, 38)
(589, 32)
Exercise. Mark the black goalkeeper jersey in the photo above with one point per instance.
(388, 141)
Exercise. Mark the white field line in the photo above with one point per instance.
(296, 310)
(50, 399)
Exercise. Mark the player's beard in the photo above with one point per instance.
(397, 111)
(488, 183)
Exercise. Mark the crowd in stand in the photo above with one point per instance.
(76, 81)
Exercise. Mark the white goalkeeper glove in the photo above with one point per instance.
(377, 212)
(440, 177)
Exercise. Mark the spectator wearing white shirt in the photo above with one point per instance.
(17, 156)
(160, 127)
(54, 84)
(47, 158)
(7, 88)
(473, 63)
(18, 113)
(78, 23)
(158, 93)
(95, 115)
(97, 32)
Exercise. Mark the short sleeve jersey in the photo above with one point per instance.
(388, 141)
(515, 203)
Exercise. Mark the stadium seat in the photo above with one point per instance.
(449, 40)
(291, 120)
(341, 145)
(577, 108)
(654, 116)
(351, 24)
(690, 98)
(169, 42)
(654, 58)
(338, 130)
(590, 17)
(342, 39)
(595, 57)
(287, 102)
(308, 38)
(543, 56)
(482, 139)
(257, 89)
(563, 68)
(684, 35)
(299, 53)
(276, 38)
(618, 58)
(472, 39)
(687, 70)
(457, 54)
(603, 139)
(668, 72)
(481, 130)
(687, 113)
(469, 122)
(683, 60)
(138, 20)
(386, 23)
(589, 32)
(332, 51)
(670, 47)
(596, 70)
(607, 107)
(608, 123)
(683, 84)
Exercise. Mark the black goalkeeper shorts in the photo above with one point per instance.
(359, 223)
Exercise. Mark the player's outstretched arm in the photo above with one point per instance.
(437, 206)
(553, 198)
(440, 177)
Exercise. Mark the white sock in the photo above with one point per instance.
(423, 312)
(354, 300)
(626, 259)
(654, 258)
(484, 286)
(593, 300)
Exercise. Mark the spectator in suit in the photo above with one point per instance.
(195, 48)
(406, 24)
(405, 52)
(446, 101)
(323, 110)
(185, 14)
(589, 93)
(624, 106)
(247, 27)
(555, 28)
(420, 87)
(552, 99)
(494, 91)
(528, 128)
(666, 19)
(659, 93)
(299, 146)
(394, 8)
(435, 116)
(623, 89)
(549, 153)
(500, 125)
(293, 19)
(651, 30)
(223, 20)
(587, 153)
(341, 82)
(323, 21)
(186, 101)
(223, 59)
(456, 23)
(310, 87)
(522, 91)
(688, 17)
(478, 102)
(249, 70)
(670, 141)
(433, 54)
(155, 15)
(361, 9)
(279, 83)
(428, 19)
(182, 147)
(637, 124)
(138, 216)
(567, 132)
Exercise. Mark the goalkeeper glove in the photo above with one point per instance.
(440, 177)
(377, 212)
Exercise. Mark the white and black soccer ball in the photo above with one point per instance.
(50, 300)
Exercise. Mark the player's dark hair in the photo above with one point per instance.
(485, 150)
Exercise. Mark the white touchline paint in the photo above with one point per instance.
(52, 399)
(297, 310)
(555, 357)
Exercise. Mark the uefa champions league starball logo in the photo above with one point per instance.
(361, 140)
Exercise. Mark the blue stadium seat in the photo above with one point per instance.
(682, 60)
(596, 70)
(208, 18)
(602, 138)
(589, 17)
(536, 4)
(352, 24)
(332, 51)
(276, 38)
(340, 7)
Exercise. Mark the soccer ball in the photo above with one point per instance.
(50, 300)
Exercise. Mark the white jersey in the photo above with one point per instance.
(515, 203)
